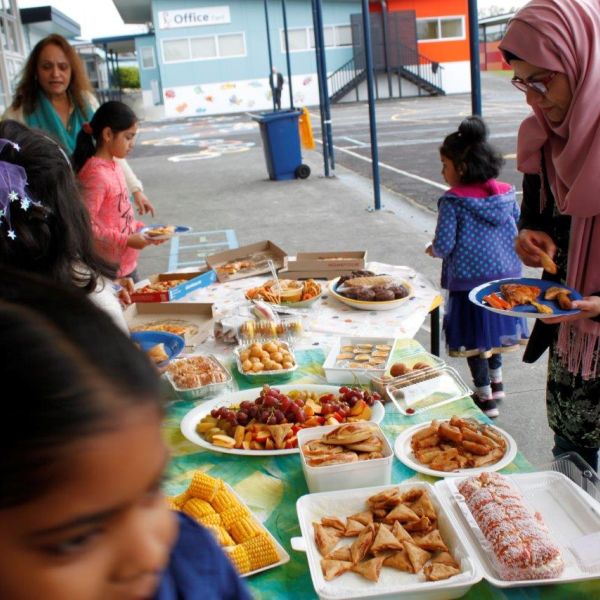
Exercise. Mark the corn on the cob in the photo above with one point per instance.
(244, 529)
(221, 535)
(172, 505)
(261, 552)
(231, 515)
(239, 558)
(180, 499)
(224, 500)
(212, 519)
(196, 507)
(204, 486)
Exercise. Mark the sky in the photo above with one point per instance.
(100, 18)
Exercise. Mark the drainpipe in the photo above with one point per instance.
(287, 53)
(371, 90)
(269, 47)
(475, 69)
(386, 50)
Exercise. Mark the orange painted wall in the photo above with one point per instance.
(440, 51)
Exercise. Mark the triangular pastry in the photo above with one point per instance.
(326, 538)
(423, 507)
(400, 533)
(361, 545)
(353, 528)
(334, 522)
(334, 568)
(350, 433)
(401, 513)
(279, 433)
(438, 571)
(412, 494)
(399, 560)
(366, 517)
(416, 555)
(371, 444)
(370, 569)
(385, 540)
(445, 558)
(423, 524)
(431, 541)
(342, 553)
(386, 499)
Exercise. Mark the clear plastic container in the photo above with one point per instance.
(286, 328)
(578, 471)
(379, 382)
(270, 376)
(424, 389)
(202, 391)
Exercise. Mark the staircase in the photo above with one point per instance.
(419, 70)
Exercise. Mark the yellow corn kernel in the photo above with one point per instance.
(204, 486)
(261, 551)
(245, 529)
(212, 519)
(233, 514)
(239, 558)
(221, 535)
(180, 499)
(196, 507)
(224, 500)
(172, 505)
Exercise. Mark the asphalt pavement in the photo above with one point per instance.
(209, 173)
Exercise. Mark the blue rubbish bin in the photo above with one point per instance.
(281, 144)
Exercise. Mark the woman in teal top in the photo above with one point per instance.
(55, 95)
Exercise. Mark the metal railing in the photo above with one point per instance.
(423, 72)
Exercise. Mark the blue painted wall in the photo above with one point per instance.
(248, 16)
(146, 75)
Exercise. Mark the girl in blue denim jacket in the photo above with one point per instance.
(476, 228)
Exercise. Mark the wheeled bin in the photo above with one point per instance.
(281, 144)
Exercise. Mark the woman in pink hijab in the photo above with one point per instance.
(553, 46)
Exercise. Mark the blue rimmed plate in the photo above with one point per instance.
(528, 311)
(173, 344)
(149, 228)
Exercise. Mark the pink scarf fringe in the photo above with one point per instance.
(579, 352)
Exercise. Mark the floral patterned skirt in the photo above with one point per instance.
(573, 404)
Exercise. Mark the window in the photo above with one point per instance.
(442, 28)
(147, 54)
(176, 50)
(232, 45)
(302, 39)
(204, 48)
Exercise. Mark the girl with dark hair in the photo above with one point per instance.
(81, 461)
(55, 95)
(108, 136)
(474, 236)
(46, 228)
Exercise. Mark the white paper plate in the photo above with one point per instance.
(405, 455)
(192, 418)
(179, 229)
(370, 305)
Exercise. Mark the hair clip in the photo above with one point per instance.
(13, 184)
(87, 128)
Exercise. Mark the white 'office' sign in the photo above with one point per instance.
(193, 17)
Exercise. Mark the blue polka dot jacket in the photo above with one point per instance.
(475, 234)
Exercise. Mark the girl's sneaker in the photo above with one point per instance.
(487, 405)
(498, 390)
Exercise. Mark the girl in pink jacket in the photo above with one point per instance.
(109, 135)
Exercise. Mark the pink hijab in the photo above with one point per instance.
(564, 36)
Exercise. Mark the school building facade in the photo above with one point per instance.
(206, 57)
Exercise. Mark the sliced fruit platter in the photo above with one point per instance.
(266, 420)
(288, 292)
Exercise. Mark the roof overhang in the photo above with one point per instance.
(134, 11)
(50, 20)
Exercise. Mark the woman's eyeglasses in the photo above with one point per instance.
(540, 85)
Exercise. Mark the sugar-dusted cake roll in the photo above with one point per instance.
(521, 543)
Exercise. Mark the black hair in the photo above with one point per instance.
(68, 372)
(117, 116)
(509, 56)
(54, 238)
(474, 159)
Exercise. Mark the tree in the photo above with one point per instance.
(129, 77)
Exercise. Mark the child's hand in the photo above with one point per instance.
(138, 241)
(429, 250)
(144, 206)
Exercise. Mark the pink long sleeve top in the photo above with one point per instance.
(111, 212)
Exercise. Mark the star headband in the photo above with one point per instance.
(13, 185)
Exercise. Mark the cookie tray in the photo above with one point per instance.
(567, 511)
